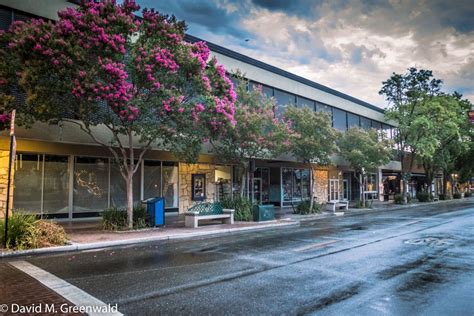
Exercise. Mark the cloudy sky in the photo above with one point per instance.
(351, 46)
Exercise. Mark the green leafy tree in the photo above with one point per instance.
(407, 95)
(364, 150)
(257, 135)
(464, 163)
(100, 67)
(449, 135)
(313, 140)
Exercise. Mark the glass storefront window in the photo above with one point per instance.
(371, 184)
(170, 184)
(377, 125)
(237, 180)
(365, 123)
(305, 183)
(283, 100)
(91, 184)
(297, 194)
(295, 184)
(28, 181)
(353, 120)
(387, 131)
(287, 183)
(303, 102)
(339, 120)
(320, 107)
(151, 179)
(223, 179)
(267, 91)
(118, 186)
(56, 185)
(41, 184)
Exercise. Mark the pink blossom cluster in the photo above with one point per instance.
(81, 23)
(200, 51)
(158, 24)
(225, 104)
(196, 111)
(226, 107)
(170, 103)
(164, 58)
(113, 88)
(4, 118)
(156, 60)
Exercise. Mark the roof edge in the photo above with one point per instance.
(249, 60)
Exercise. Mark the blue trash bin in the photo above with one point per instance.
(156, 210)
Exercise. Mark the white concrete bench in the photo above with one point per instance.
(336, 204)
(207, 211)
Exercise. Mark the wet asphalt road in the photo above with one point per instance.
(417, 261)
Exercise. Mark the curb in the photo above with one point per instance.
(140, 240)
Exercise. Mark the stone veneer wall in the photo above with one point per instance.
(321, 178)
(185, 182)
(4, 157)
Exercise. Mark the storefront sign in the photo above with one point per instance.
(199, 187)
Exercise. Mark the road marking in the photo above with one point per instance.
(314, 246)
(73, 294)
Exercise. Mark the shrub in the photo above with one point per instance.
(242, 207)
(424, 196)
(47, 234)
(304, 209)
(141, 218)
(399, 198)
(368, 204)
(115, 218)
(457, 195)
(467, 194)
(26, 232)
(20, 230)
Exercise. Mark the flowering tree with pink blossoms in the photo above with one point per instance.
(258, 134)
(101, 66)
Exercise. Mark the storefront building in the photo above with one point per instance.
(60, 172)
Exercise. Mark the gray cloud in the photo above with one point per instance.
(348, 45)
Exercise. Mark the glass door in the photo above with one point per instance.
(257, 191)
(333, 189)
(345, 189)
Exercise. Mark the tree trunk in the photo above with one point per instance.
(429, 171)
(129, 180)
(405, 178)
(242, 185)
(129, 183)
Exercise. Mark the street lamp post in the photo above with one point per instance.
(10, 163)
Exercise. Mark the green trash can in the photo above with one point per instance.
(263, 213)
